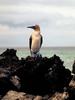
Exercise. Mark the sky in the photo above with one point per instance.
(55, 17)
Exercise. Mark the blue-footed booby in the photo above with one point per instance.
(35, 41)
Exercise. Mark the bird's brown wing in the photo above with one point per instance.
(30, 42)
(41, 41)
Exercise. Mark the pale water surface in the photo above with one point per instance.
(67, 54)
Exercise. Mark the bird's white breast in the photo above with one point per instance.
(36, 42)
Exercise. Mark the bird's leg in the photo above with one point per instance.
(32, 54)
(38, 54)
(35, 54)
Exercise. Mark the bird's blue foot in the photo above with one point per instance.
(37, 55)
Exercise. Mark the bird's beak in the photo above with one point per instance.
(33, 27)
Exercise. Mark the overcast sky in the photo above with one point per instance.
(55, 17)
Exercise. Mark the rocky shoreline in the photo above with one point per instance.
(35, 78)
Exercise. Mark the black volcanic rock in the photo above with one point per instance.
(37, 76)
(8, 62)
(43, 75)
(8, 59)
(73, 67)
(71, 89)
(57, 73)
(6, 85)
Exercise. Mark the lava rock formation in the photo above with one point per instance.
(37, 76)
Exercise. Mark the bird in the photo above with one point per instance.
(35, 41)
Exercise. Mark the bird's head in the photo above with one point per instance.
(36, 27)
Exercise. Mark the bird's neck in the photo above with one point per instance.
(36, 32)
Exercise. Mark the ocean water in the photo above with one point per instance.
(67, 54)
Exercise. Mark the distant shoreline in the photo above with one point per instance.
(41, 47)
